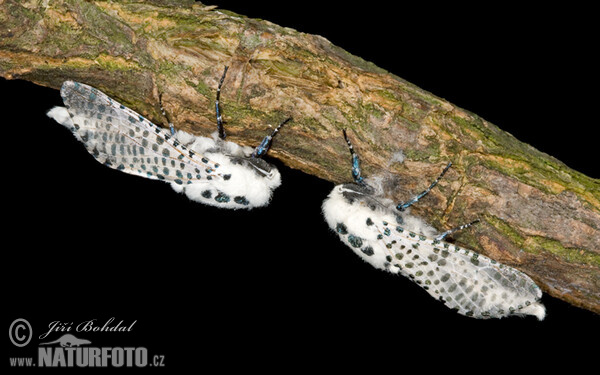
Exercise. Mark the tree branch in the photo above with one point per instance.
(136, 51)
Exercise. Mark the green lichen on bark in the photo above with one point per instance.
(134, 50)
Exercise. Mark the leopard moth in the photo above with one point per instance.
(208, 170)
(385, 236)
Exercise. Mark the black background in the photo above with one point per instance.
(274, 288)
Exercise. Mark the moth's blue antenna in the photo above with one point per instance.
(165, 114)
(446, 233)
(264, 146)
(222, 134)
(415, 199)
(355, 162)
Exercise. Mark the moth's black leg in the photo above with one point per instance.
(165, 115)
(403, 206)
(264, 146)
(446, 233)
(355, 162)
(222, 134)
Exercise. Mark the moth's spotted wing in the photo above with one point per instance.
(122, 139)
(464, 280)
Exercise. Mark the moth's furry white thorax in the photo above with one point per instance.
(244, 181)
(336, 208)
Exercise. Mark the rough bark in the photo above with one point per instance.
(537, 214)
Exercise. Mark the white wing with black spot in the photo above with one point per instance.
(122, 139)
(464, 280)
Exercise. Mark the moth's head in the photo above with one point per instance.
(261, 167)
(255, 161)
(357, 193)
(258, 165)
(355, 189)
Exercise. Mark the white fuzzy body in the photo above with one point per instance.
(472, 284)
(244, 181)
(208, 170)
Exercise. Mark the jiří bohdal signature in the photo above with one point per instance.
(91, 325)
